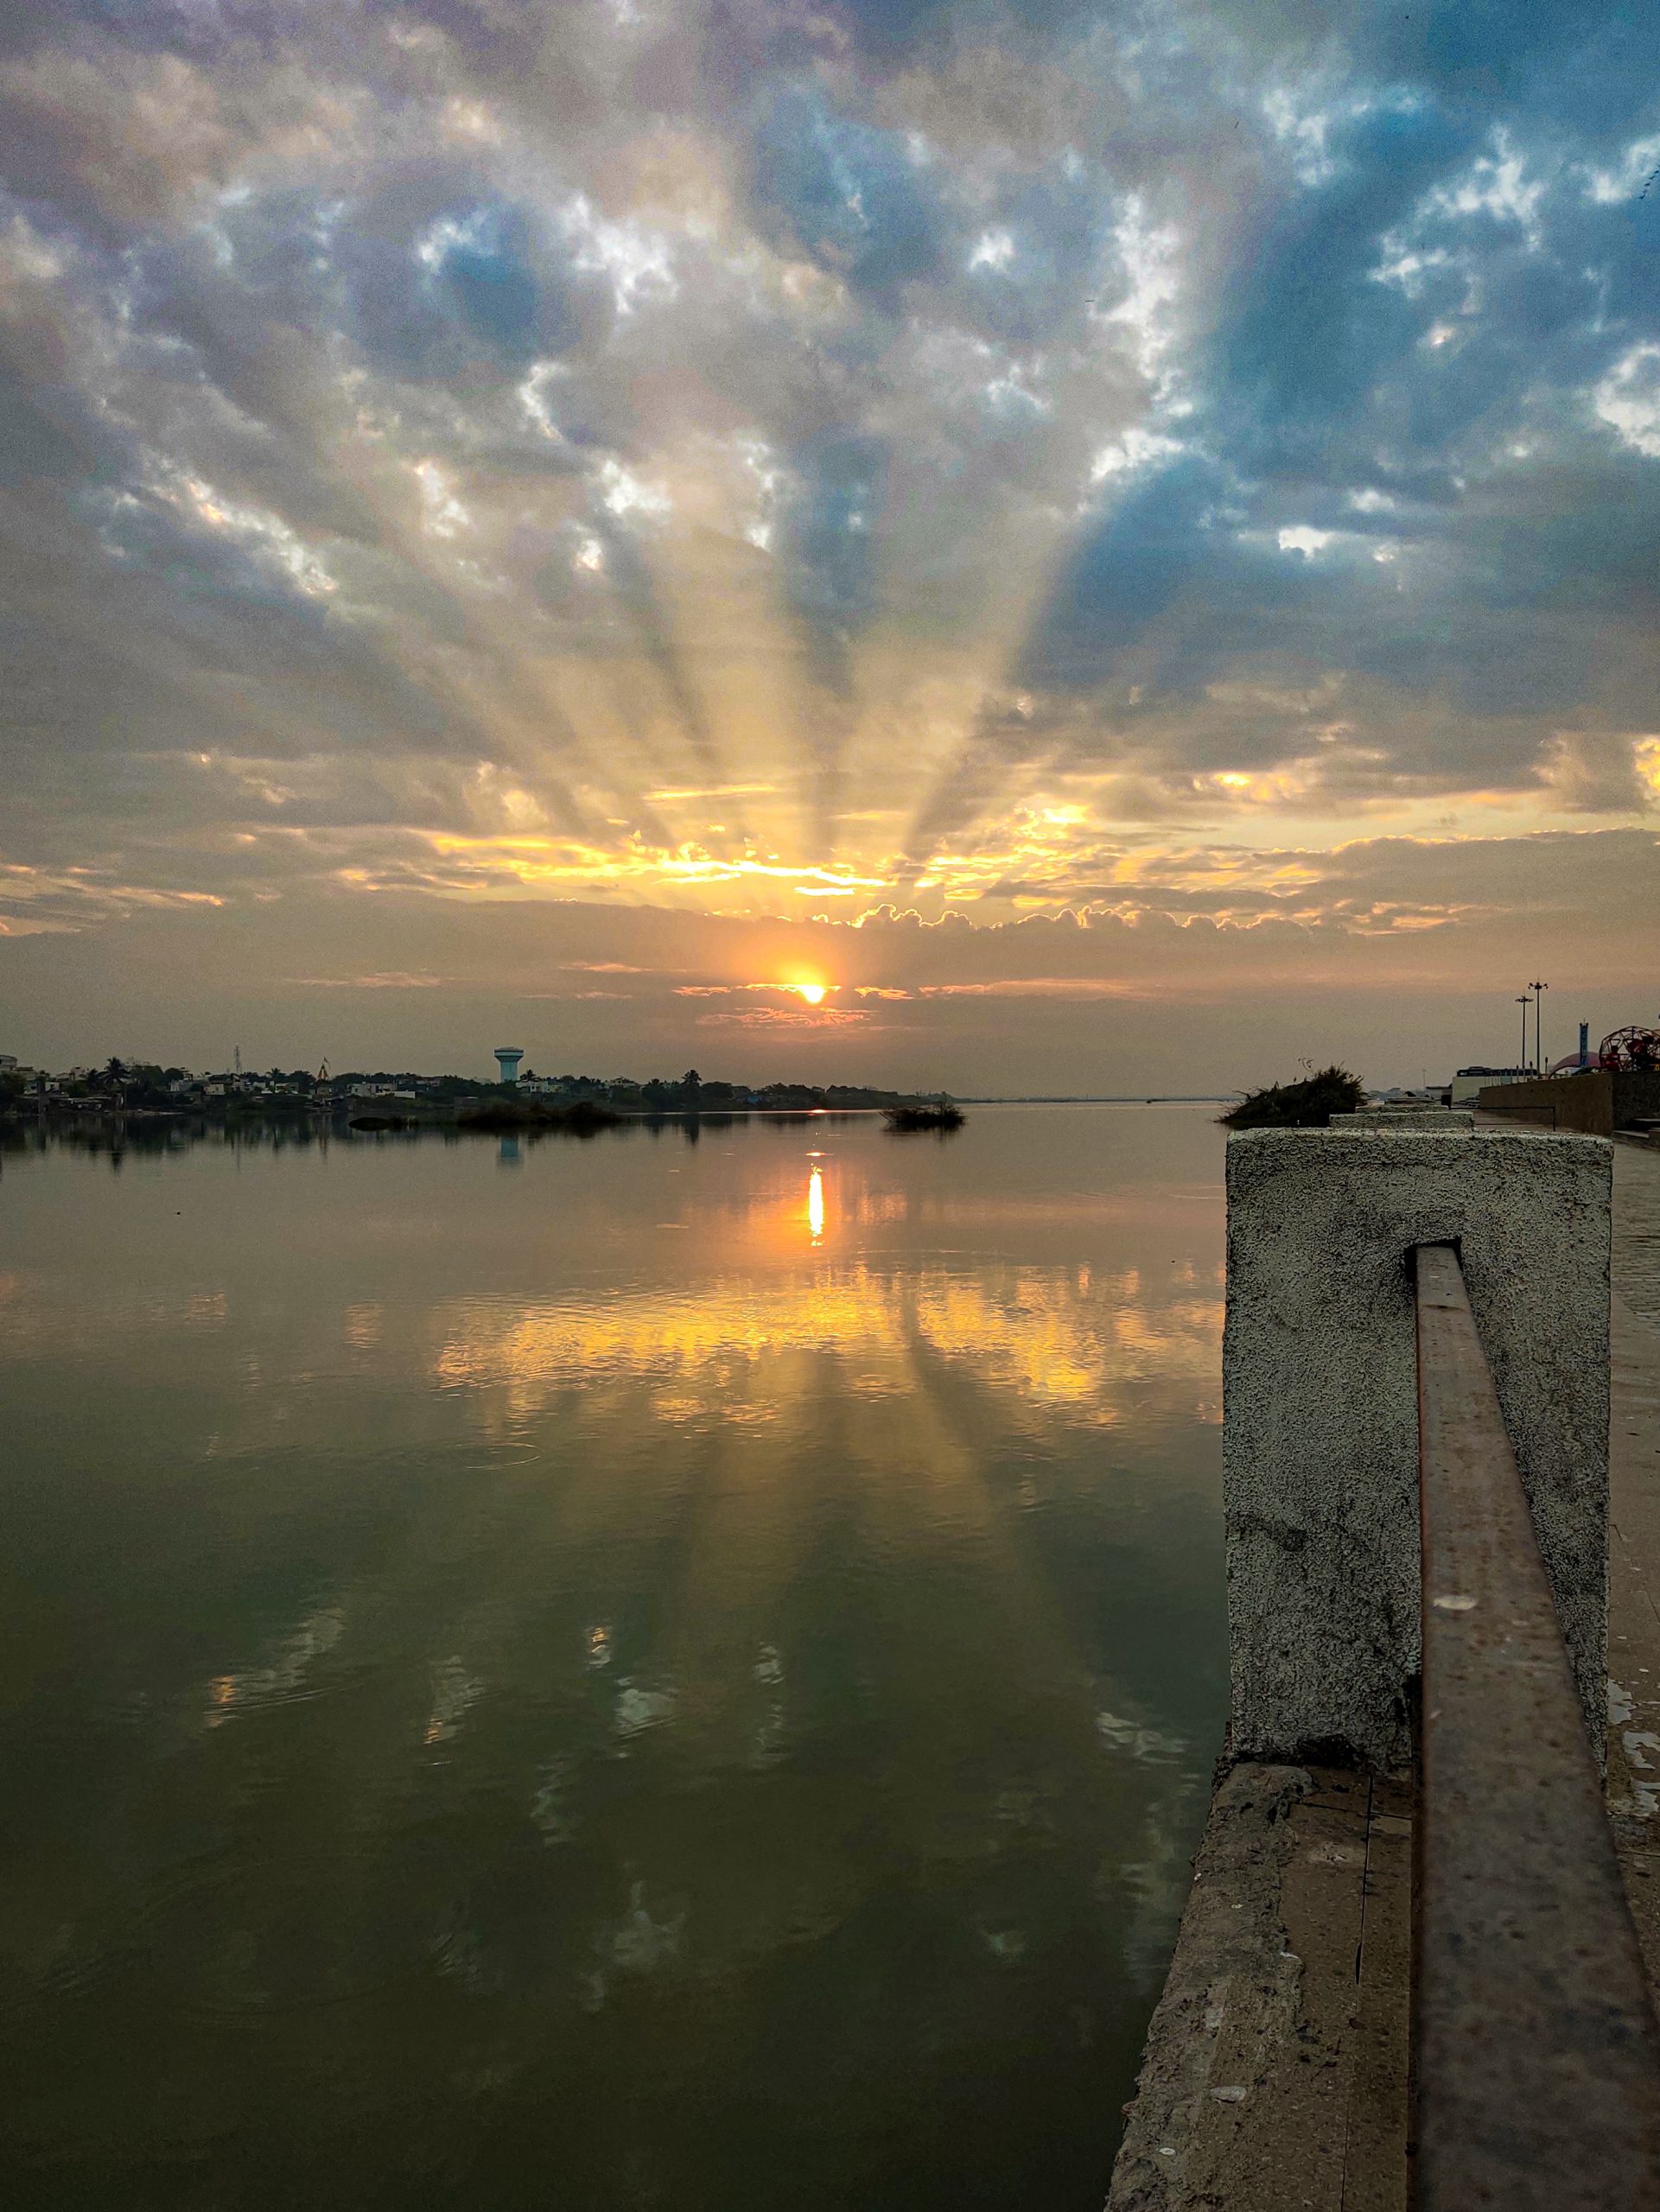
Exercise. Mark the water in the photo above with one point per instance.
(628, 1673)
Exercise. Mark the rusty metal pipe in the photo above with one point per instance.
(1537, 2053)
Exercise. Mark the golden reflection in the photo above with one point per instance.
(283, 1676)
(729, 1347)
(816, 1204)
(362, 1326)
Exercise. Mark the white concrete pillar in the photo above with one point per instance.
(1319, 1393)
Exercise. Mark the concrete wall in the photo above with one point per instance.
(1583, 1103)
(1596, 1104)
(1320, 1433)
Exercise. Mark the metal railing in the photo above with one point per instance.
(1536, 2051)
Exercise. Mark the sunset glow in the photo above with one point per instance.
(1008, 555)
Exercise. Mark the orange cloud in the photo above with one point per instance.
(1038, 986)
(773, 1017)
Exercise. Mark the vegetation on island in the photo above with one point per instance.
(1309, 1104)
(505, 1117)
(138, 1090)
(940, 1116)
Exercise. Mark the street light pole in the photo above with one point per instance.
(1538, 990)
(1524, 1002)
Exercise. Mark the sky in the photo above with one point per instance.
(1122, 540)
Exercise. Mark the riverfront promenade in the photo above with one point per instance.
(1275, 2073)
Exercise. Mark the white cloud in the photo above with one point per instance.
(1628, 399)
(442, 514)
(1151, 255)
(1133, 450)
(637, 261)
(533, 397)
(625, 493)
(993, 250)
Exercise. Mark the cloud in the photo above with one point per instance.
(392, 980)
(746, 459)
(781, 1018)
(1075, 987)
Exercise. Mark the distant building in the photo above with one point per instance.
(8, 1060)
(1469, 1081)
(507, 1059)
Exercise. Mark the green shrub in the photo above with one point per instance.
(1306, 1105)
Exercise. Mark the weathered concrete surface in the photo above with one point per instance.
(1410, 1118)
(1320, 1433)
(1291, 1979)
(1634, 1545)
(1275, 2070)
(1636, 1231)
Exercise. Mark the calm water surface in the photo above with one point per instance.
(602, 1675)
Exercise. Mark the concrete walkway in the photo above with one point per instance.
(1634, 1541)
(1274, 2076)
(1275, 2073)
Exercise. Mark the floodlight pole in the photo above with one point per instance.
(1524, 1002)
(1538, 990)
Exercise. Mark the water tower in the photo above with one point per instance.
(507, 1059)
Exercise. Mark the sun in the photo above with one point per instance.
(813, 993)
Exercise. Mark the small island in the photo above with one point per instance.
(941, 1116)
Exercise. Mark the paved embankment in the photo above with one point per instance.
(1275, 2073)
(1634, 1541)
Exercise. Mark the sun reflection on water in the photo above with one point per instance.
(724, 1347)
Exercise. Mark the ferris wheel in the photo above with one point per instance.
(1634, 1048)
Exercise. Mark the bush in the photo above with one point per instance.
(943, 1116)
(1306, 1105)
(512, 1116)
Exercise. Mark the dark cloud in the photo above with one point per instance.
(444, 283)
(854, 199)
(1306, 329)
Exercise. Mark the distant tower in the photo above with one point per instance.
(507, 1059)
(1585, 1044)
